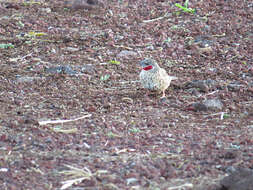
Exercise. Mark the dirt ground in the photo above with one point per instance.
(61, 61)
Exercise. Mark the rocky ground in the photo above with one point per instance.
(74, 116)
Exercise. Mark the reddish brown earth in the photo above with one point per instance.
(128, 139)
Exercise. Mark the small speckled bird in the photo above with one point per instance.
(154, 77)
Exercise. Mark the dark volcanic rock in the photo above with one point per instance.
(202, 85)
(241, 179)
(199, 107)
(210, 104)
(84, 4)
(213, 104)
(61, 70)
(234, 86)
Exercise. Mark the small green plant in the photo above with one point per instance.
(35, 34)
(168, 40)
(112, 135)
(185, 7)
(104, 77)
(5, 46)
(226, 116)
(114, 62)
(21, 24)
(134, 130)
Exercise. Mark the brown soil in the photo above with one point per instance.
(130, 139)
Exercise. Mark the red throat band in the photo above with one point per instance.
(147, 68)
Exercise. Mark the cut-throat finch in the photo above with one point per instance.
(153, 77)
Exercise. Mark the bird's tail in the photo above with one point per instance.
(173, 78)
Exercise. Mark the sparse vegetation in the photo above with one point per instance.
(74, 115)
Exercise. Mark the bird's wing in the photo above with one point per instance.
(164, 74)
(173, 78)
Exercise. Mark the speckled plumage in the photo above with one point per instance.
(155, 78)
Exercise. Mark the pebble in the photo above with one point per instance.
(61, 70)
(213, 104)
(127, 54)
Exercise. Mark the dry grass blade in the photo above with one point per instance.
(69, 183)
(181, 186)
(66, 131)
(78, 175)
(62, 121)
(156, 19)
(77, 172)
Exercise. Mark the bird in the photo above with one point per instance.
(153, 77)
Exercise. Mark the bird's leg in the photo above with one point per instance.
(163, 96)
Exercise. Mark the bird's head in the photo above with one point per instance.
(149, 64)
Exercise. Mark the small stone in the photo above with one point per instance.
(229, 155)
(234, 86)
(12, 6)
(203, 41)
(213, 70)
(71, 49)
(84, 4)
(213, 104)
(88, 68)
(202, 85)
(4, 169)
(199, 107)
(48, 140)
(151, 47)
(127, 54)
(230, 169)
(240, 179)
(131, 180)
(26, 79)
(46, 10)
(61, 70)
(194, 92)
